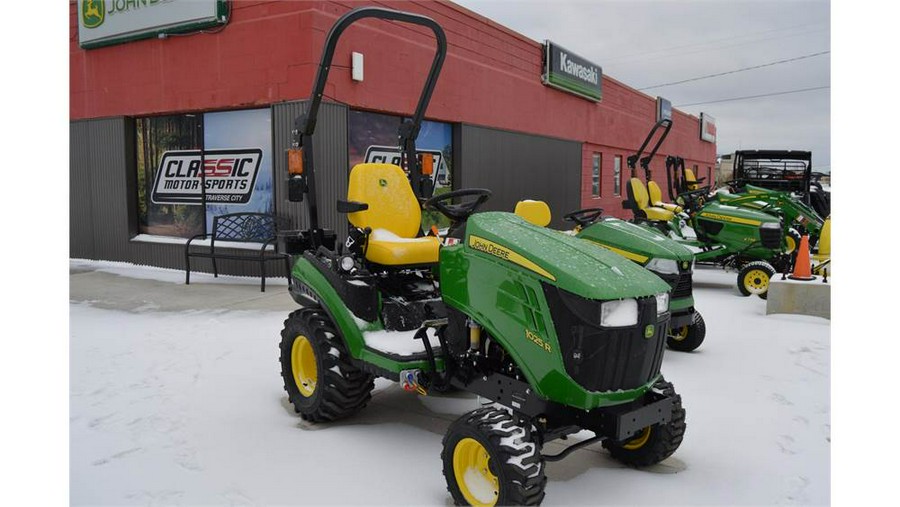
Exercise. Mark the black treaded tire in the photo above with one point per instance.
(688, 341)
(662, 441)
(341, 389)
(518, 464)
(746, 270)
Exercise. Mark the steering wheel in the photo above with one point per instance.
(584, 217)
(694, 198)
(458, 212)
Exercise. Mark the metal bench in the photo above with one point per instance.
(240, 228)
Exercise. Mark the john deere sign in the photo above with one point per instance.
(572, 73)
(105, 22)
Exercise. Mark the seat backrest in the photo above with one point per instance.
(535, 212)
(392, 204)
(654, 192)
(690, 178)
(638, 193)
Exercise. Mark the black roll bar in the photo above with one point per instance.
(305, 124)
(645, 161)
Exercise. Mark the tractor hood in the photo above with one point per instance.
(570, 263)
(634, 242)
(733, 214)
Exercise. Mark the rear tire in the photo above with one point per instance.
(654, 443)
(687, 338)
(754, 278)
(320, 380)
(491, 459)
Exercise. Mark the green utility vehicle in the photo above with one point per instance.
(560, 335)
(746, 240)
(666, 258)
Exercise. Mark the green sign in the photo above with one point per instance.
(569, 72)
(106, 22)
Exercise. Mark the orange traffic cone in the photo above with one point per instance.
(802, 269)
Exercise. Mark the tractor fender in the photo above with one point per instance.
(311, 287)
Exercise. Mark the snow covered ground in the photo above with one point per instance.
(187, 408)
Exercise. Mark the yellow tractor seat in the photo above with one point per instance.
(535, 212)
(691, 179)
(393, 214)
(639, 203)
(656, 198)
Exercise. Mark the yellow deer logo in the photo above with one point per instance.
(92, 13)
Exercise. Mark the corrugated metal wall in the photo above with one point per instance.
(102, 189)
(518, 166)
(332, 160)
(98, 214)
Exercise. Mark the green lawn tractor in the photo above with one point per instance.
(560, 335)
(666, 258)
(797, 216)
(746, 240)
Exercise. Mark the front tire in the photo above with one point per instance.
(492, 459)
(754, 278)
(320, 380)
(654, 443)
(687, 338)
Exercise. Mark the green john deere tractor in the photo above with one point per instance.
(560, 335)
(666, 258)
(742, 239)
(797, 216)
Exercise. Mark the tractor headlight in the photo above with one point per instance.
(770, 225)
(662, 303)
(663, 266)
(621, 313)
(347, 263)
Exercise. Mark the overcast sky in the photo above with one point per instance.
(650, 42)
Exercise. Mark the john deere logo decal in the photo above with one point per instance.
(92, 13)
(648, 331)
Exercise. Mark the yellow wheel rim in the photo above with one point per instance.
(638, 441)
(680, 334)
(790, 244)
(303, 364)
(473, 474)
(756, 281)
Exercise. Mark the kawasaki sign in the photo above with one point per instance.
(105, 22)
(572, 73)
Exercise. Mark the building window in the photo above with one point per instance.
(372, 138)
(709, 175)
(177, 198)
(617, 175)
(595, 174)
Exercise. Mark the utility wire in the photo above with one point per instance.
(754, 96)
(744, 69)
(708, 42)
(716, 48)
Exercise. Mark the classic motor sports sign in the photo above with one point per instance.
(391, 155)
(229, 176)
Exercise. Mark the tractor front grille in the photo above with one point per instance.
(770, 238)
(682, 283)
(606, 359)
